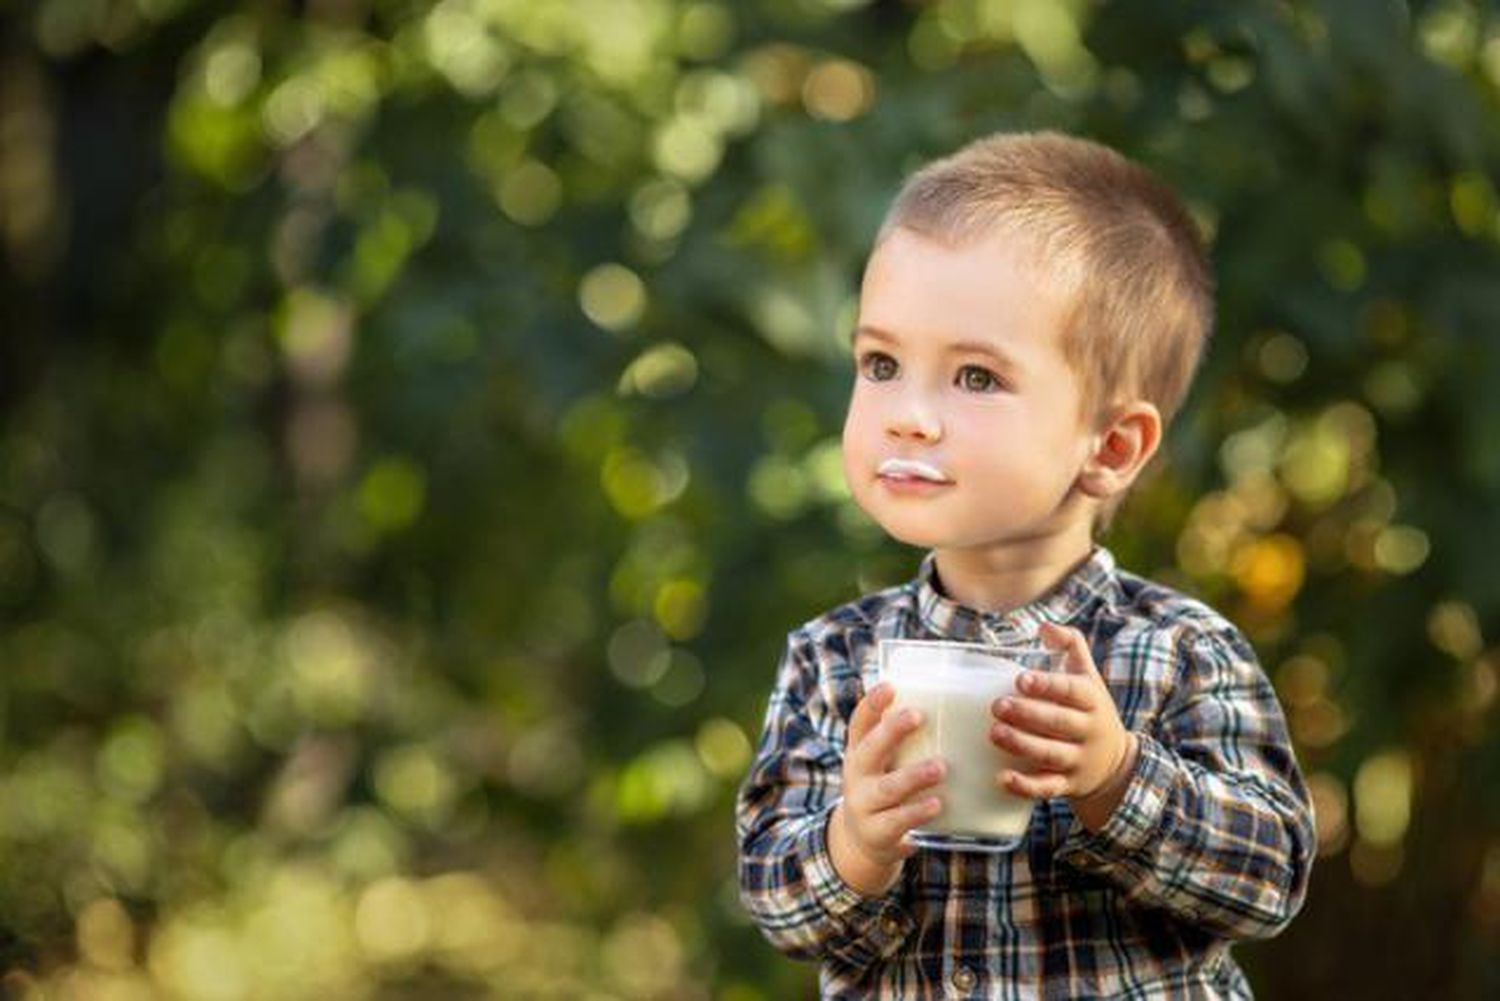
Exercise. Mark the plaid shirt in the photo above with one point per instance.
(1213, 841)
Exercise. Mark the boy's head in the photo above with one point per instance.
(1085, 272)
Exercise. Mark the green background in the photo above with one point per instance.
(420, 429)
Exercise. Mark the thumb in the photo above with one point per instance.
(1076, 658)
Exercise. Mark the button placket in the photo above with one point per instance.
(963, 979)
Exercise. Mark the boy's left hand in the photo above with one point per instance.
(1066, 725)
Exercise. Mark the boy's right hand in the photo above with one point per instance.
(866, 834)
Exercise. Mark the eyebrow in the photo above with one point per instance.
(953, 347)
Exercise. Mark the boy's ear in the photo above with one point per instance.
(1121, 448)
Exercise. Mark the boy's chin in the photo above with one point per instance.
(924, 530)
(925, 535)
(921, 536)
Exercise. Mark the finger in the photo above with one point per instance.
(895, 788)
(889, 826)
(868, 712)
(1042, 717)
(1072, 690)
(1043, 752)
(1034, 785)
(880, 743)
(1071, 643)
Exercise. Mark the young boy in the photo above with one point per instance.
(1029, 321)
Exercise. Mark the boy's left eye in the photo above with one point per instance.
(978, 379)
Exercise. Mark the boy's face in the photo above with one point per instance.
(1003, 429)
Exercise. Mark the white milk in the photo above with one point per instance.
(954, 685)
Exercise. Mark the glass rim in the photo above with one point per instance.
(1022, 647)
(973, 657)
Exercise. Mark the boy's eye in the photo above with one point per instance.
(984, 382)
(880, 365)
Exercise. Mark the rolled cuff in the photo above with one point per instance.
(869, 927)
(1141, 817)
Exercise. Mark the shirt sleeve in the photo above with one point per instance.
(787, 880)
(1216, 824)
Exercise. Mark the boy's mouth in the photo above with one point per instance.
(912, 471)
(912, 485)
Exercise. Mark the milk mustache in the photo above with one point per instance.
(954, 685)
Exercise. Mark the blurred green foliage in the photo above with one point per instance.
(420, 430)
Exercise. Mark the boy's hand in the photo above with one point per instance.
(867, 830)
(1066, 725)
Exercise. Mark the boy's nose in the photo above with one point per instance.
(914, 420)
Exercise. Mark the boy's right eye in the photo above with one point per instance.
(878, 365)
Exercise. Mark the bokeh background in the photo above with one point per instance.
(418, 432)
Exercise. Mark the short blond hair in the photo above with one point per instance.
(1125, 250)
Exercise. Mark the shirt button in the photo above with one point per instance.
(964, 978)
(890, 925)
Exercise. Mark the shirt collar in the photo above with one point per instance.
(1086, 586)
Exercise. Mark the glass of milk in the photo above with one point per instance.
(954, 685)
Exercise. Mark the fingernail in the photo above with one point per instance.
(1006, 705)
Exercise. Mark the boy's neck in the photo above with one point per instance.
(1001, 578)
